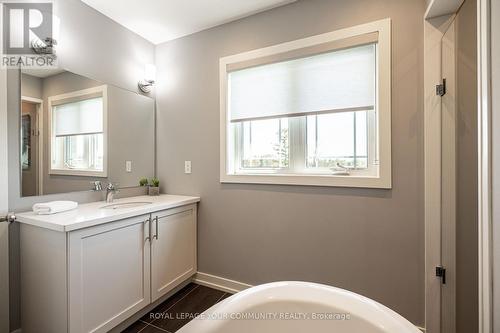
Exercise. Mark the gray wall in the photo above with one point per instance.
(131, 136)
(366, 240)
(466, 229)
(93, 45)
(103, 50)
(31, 86)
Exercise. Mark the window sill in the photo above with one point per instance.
(310, 180)
(76, 172)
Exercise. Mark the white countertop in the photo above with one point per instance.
(91, 214)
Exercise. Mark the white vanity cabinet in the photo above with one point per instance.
(173, 250)
(91, 275)
(108, 273)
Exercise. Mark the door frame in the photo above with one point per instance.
(448, 177)
(434, 30)
(4, 206)
(485, 158)
(39, 125)
(485, 168)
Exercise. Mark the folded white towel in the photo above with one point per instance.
(53, 207)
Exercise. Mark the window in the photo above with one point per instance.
(310, 112)
(264, 144)
(78, 133)
(341, 139)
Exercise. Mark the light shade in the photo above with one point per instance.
(150, 73)
(337, 81)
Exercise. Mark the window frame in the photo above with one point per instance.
(99, 91)
(383, 179)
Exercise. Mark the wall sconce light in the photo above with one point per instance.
(147, 83)
(46, 47)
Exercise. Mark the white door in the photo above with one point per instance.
(4, 228)
(109, 274)
(448, 180)
(173, 249)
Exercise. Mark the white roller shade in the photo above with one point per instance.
(341, 80)
(80, 117)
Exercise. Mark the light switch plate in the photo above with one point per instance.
(187, 167)
(128, 166)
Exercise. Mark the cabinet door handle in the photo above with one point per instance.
(148, 223)
(156, 222)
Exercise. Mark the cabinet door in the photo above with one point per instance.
(109, 274)
(173, 249)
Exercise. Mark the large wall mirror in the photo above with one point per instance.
(75, 130)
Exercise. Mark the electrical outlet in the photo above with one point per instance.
(128, 166)
(187, 166)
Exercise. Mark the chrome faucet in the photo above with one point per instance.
(97, 185)
(110, 192)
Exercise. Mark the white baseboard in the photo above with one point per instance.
(17, 331)
(220, 283)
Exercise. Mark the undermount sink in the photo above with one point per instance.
(131, 204)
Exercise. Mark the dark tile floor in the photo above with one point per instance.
(178, 310)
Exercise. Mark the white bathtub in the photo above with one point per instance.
(298, 307)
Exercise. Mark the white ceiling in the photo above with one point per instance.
(162, 20)
(42, 73)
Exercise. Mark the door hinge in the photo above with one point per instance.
(441, 88)
(441, 273)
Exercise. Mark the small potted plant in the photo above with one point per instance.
(143, 182)
(154, 186)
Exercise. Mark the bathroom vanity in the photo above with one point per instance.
(89, 269)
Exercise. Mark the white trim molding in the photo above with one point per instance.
(220, 283)
(383, 178)
(438, 8)
(434, 30)
(485, 228)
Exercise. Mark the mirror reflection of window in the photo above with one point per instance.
(78, 133)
